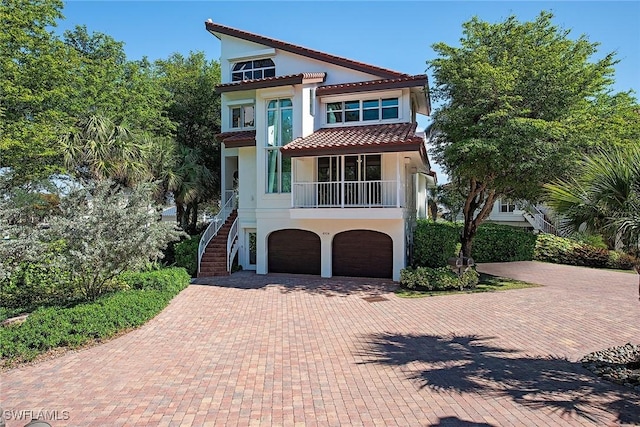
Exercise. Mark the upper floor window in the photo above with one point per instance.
(256, 69)
(279, 133)
(507, 206)
(242, 116)
(365, 110)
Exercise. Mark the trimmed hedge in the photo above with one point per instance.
(437, 279)
(434, 243)
(52, 327)
(502, 243)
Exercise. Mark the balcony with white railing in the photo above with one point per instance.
(346, 199)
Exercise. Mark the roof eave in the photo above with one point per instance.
(346, 150)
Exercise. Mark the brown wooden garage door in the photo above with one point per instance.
(294, 251)
(362, 253)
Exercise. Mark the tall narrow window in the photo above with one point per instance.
(279, 133)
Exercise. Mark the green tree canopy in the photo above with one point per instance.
(512, 95)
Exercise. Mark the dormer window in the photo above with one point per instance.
(256, 69)
(242, 116)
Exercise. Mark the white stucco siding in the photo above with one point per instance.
(247, 180)
(234, 50)
(270, 221)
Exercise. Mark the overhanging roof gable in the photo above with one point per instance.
(303, 51)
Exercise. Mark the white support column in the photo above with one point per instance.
(398, 180)
(326, 255)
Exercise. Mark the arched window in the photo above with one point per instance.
(256, 69)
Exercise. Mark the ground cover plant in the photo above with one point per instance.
(144, 295)
(486, 283)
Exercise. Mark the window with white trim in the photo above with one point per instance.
(256, 69)
(507, 206)
(242, 116)
(365, 110)
(279, 133)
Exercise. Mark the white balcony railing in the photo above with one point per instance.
(346, 194)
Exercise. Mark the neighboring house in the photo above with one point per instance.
(536, 217)
(330, 172)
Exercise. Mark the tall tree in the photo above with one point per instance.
(107, 84)
(195, 108)
(512, 95)
(34, 76)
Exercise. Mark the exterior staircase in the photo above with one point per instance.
(214, 259)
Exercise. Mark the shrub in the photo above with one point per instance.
(502, 243)
(437, 279)
(589, 239)
(622, 261)
(589, 256)
(562, 250)
(52, 327)
(186, 254)
(550, 248)
(434, 243)
(168, 279)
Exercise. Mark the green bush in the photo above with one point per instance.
(550, 248)
(434, 243)
(167, 279)
(32, 285)
(502, 243)
(186, 254)
(52, 327)
(437, 279)
(589, 256)
(622, 261)
(561, 250)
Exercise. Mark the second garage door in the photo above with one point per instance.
(294, 251)
(362, 253)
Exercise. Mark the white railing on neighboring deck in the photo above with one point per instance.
(538, 219)
(217, 223)
(232, 243)
(346, 194)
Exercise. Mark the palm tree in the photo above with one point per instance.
(603, 198)
(162, 156)
(195, 185)
(98, 149)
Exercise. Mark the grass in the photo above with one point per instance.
(488, 283)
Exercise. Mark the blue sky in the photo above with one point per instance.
(391, 34)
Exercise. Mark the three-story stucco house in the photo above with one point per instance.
(320, 153)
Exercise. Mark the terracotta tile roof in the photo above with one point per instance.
(244, 138)
(419, 80)
(299, 50)
(291, 79)
(357, 139)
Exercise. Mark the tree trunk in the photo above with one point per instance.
(194, 217)
(179, 213)
(476, 209)
(185, 218)
(433, 210)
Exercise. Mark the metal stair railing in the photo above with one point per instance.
(537, 218)
(215, 225)
(232, 243)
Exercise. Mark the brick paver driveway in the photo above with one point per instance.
(285, 350)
